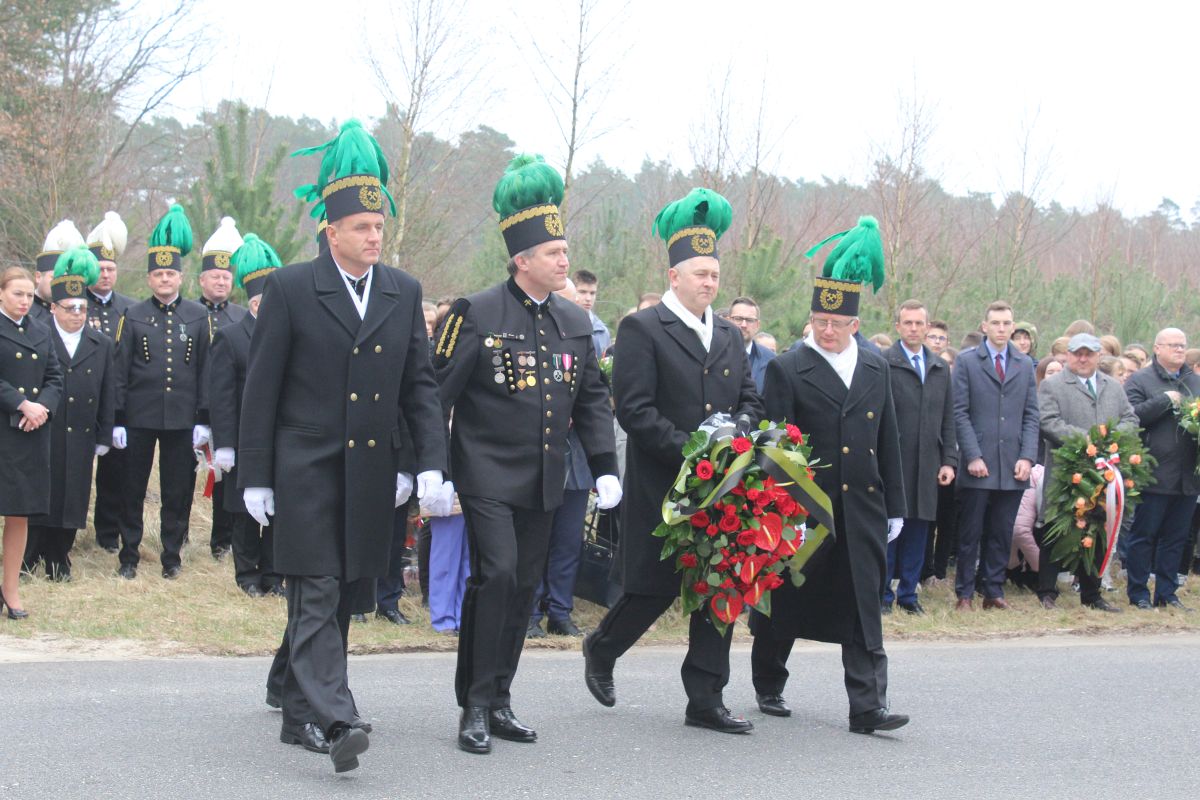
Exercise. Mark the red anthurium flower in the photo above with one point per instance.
(689, 560)
(769, 532)
(750, 570)
(700, 519)
(704, 469)
(726, 607)
(772, 580)
(788, 547)
(754, 594)
(741, 445)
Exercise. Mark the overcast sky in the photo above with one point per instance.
(1104, 93)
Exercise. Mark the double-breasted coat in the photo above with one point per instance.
(320, 420)
(105, 315)
(665, 386)
(854, 437)
(83, 419)
(159, 362)
(29, 370)
(1174, 449)
(995, 421)
(227, 363)
(925, 420)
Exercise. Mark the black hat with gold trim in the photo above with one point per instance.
(322, 238)
(62, 237)
(527, 198)
(692, 225)
(219, 249)
(74, 270)
(107, 240)
(353, 176)
(252, 263)
(857, 260)
(170, 241)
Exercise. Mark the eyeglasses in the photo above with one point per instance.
(743, 320)
(936, 337)
(830, 323)
(74, 309)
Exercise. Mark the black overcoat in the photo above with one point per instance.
(159, 363)
(853, 436)
(665, 386)
(83, 419)
(925, 420)
(226, 380)
(1175, 450)
(325, 391)
(29, 370)
(105, 316)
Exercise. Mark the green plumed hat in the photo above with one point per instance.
(692, 224)
(170, 241)
(75, 270)
(353, 175)
(857, 260)
(253, 262)
(527, 198)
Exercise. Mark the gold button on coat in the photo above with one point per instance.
(350, 443)
(353, 397)
(378, 349)
(708, 406)
(370, 442)
(845, 450)
(870, 415)
(845, 488)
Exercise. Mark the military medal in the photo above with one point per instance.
(489, 342)
(499, 377)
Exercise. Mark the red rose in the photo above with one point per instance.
(700, 519)
(700, 587)
(688, 560)
(741, 445)
(794, 434)
(712, 530)
(739, 490)
(786, 506)
(729, 523)
(753, 495)
(727, 583)
(726, 607)
(704, 470)
(746, 538)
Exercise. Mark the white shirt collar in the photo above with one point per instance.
(843, 363)
(71, 340)
(360, 303)
(702, 327)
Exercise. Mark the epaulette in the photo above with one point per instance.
(448, 338)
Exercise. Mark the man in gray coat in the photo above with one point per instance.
(996, 418)
(1071, 402)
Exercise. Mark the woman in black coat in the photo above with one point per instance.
(30, 384)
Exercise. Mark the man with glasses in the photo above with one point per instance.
(937, 337)
(1160, 527)
(743, 312)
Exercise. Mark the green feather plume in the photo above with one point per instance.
(527, 181)
(173, 230)
(699, 207)
(78, 261)
(353, 151)
(858, 257)
(252, 256)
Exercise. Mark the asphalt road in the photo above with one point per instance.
(1113, 717)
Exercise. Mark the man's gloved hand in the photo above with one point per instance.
(224, 459)
(608, 491)
(895, 525)
(201, 435)
(102, 449)
(260, 503)
(429, 484)
(441, 504)
(404, 487)
(120, 437)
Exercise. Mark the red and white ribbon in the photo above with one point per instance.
(1114, 508)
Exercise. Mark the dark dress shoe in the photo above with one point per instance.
(309, 736)
(534, 631)
(599, 679)
(473, 736)
(997, 603)
(253, 590)
(1174, 603)
(504, 724)
(1103, 605)
(717, 719)
(885, 609)
(345, 746)
(913, 608)
(1048, 603)
(358, 617)
(773, 705)
(110, 548)
(220, 553)
(393, 616)
(964, 604)
(13, 613)
(127, 571)
(171, 573)
(563, 627)
(276, 590)
(1144, 605)
(361, 724)
(877, 720)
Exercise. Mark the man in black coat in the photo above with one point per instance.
(675, 365)
(1160, 526)
(921, 392)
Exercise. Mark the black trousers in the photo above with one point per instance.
(942, 544)
(52, 546)
(508, 554)
(390, 588)
(1048, 569)
(222, 524)
(705, 669)
(865, 669)
(110, 494)
(985, 528)
(253, 552)
(177, 482)
(314, 685)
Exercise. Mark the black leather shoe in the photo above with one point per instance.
(171, 573)
(393, 616)
(534, 631)
(473, 736)
(127, 571)
(1174, 603)
(253, 590)
(346, 745)
(913, 608)
(599, 679)
(361, 724)
(504, 724)
(1103, 605)
(309, 736)
(877, 720)
(773, 705)
(110, 548)
(276, 590)
(718, 719)
(1143, 605)
(563, 627)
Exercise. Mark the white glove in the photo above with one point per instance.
(895, 525)
(440, 504)
(404, 487)
(608, 491)
(120, 438)
(201, 435)
(102, 449)
(429, 484)
(224, 459)
(259, 504)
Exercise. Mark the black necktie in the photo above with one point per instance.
(359, 285)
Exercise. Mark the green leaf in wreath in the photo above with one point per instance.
(695, 444)
(714, 580)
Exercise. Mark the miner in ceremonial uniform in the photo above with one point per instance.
(106, 307)
(216, 284)
(63, 237)
(81, 425)
(675, 365)
(162, 344)
(841, 396)
(338, 357)
(517, 366)
(253, 544)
